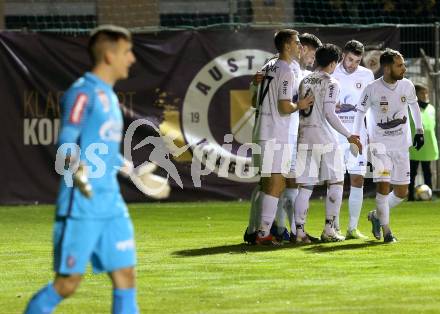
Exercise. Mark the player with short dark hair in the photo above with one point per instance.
(388, 99)
(355, 47)
(353, 78)
(310, 43)
(274, 109)
(319, 157)
(92, 223)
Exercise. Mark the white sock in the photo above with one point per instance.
(254, 213)
(329, 226)
(333, 203)
(280, 217)
(289, 206)
(383, 209)
(269, 207)
(302, 206)
(336, 223)
(393, 200)
(354, 206)
(333, 200)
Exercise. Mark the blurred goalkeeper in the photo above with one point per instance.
(92, 222)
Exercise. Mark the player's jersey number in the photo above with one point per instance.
(264, 90)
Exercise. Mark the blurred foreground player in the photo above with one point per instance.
(92, 222)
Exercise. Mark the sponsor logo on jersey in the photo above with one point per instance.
(385, 173)
(403, 99)
(358, 85)
(111, 130)
(331, 89)
(285, 85)
(343, 108)
(383, 104)
(394, 122)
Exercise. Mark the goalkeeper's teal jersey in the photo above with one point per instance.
(92, 119)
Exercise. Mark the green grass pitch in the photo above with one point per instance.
(191, 259)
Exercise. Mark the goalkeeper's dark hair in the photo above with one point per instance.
(283, 37)
(355, 47)
(102, 34)
(311, 40)
(387, 57)
(327, 54)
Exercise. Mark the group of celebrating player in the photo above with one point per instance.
(297, 115)
(312, 127)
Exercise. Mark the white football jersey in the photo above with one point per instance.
(387, 122)
(294, 117)
(277, 85)
(352, 86)
(313, 125)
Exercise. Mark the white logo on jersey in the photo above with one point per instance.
(125, 245)
(383, 104)
(111, 130)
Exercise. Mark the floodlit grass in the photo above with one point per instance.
(191, 260)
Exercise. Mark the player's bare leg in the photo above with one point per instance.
(47, 299)
(66, 285)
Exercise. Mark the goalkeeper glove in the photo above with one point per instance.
(419, 140)
(81, 181)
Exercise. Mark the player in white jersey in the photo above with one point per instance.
(388, 99)
(352, 78)
(319, 157)
(309, 44)
(275, 107)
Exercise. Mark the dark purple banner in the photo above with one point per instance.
(191, 87)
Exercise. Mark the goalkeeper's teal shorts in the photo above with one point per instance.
(107, 243)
